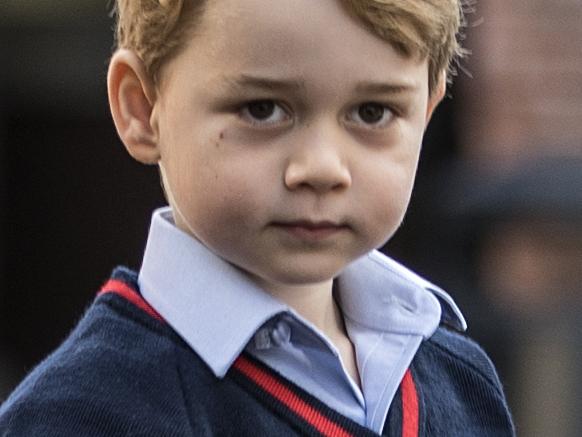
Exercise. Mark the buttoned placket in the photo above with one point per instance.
(301, 343)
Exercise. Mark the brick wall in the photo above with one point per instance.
(526, 92)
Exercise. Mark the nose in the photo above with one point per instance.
(318, 165)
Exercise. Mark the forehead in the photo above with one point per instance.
(303, 38)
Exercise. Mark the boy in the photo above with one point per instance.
(287, 134)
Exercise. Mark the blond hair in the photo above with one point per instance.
(157, 29)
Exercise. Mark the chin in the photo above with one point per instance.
(306, 276)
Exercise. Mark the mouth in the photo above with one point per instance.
(311, 230)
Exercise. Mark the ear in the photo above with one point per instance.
(131, 99)
(436, 96)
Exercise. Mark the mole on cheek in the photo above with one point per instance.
(220, 137)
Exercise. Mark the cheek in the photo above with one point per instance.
(386, 195)
(222, 196)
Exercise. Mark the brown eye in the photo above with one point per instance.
(371, 113)
(264, 113)
(261, 109)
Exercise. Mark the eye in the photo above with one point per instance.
(263, 112)
(372, 114)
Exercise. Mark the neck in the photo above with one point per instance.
(314, 302)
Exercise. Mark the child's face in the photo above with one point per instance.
(289, 136)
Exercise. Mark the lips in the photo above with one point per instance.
(311, 230)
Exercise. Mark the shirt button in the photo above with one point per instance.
(262, 339)
(281, 333)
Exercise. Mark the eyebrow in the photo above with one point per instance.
(384, 88)
(245, 81)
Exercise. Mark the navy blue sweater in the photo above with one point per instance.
(124, 372)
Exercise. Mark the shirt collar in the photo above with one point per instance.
(217, 308)
(380, 293)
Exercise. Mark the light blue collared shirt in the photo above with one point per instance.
(219, 311)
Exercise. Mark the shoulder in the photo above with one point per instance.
(455, 348)
(111, 376)
(460, 391)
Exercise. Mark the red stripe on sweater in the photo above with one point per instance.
(308, 413)
(122, 289)
(409, 406)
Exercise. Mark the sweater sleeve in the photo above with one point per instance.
(461, 392)
(113, 376)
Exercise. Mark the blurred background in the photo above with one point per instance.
(496, 217)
